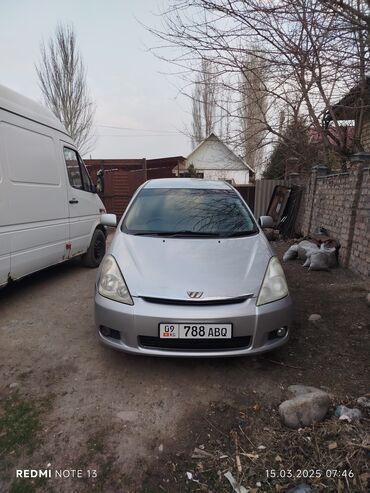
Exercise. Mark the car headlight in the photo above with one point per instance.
(274, 286)
(111, 283)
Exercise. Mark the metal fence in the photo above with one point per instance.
(122, 179)
(248, 194)
(263, 194)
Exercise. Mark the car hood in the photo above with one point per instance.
(170, 267)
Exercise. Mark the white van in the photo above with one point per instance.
(49, 209)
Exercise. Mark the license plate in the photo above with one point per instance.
(195, 331)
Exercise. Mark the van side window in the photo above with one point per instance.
(86, 180)
(73, 168)
(77, 172)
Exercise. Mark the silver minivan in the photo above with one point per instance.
(190, 273)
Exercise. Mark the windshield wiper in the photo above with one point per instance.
(194, 233)
(240, 233)
(146, 233)
(177, 233)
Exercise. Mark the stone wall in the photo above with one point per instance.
(365, 134)
(340, 203)
(360, 253)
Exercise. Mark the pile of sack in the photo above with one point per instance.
(321, 256)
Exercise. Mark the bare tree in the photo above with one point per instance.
(253, 111)
(302, 151)
(312, 54)
(355, 23)
(203, 103)
(62, 80)
(196, 125)
(354, 12)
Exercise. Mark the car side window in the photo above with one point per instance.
(73, 168)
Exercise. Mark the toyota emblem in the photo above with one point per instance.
(195, 294)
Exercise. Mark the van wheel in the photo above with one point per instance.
(96, 250)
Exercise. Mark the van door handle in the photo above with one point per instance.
(73, 201)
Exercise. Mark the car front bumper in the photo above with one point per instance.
(135, 328)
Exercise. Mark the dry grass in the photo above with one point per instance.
(254, 446)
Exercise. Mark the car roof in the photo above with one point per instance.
(195, 183)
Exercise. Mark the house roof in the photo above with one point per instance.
(347, 108)
(344, 134)
(21, 105)
(165, 162)
(213, 154)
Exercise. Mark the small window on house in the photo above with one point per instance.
(186, 174)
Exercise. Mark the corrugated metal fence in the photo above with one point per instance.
(248, 194)
(122, 178)
(263, 194)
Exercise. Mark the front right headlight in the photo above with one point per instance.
(111, 283)
(274, 286)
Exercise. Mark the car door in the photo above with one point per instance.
(83, 206)
(4, 230)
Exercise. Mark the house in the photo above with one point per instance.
(160, 166)
(342, 136)
(355, 107)
(214, 160)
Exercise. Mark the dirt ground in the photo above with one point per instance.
(68, 403)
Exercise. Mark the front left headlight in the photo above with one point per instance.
(111, 283)
(274, 286)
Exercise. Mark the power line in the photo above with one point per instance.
(135, 129)
(139, 135)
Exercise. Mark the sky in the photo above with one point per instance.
(131, 87)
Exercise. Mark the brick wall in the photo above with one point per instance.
(332, 206)
(360, 254)
(340, 203)
(365, 134)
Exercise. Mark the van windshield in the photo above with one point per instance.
(188, 212)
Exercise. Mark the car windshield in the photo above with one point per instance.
(188, 212)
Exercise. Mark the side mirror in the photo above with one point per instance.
(100, 184)
(266, 222)
(108, 220)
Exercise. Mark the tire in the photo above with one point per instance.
(96, 250)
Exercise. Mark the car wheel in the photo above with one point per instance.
(96, 250)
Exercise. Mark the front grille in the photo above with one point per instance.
(195, 344)
(226, 301)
